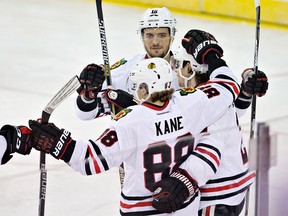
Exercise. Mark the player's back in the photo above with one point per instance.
(153, 140)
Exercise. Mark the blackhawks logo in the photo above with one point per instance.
(118, 63)
(186, 91)
(121, 114)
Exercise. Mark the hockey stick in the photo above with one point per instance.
(107, 66)
(253, 106)
(64, 93)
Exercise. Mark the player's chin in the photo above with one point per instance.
(157, 53)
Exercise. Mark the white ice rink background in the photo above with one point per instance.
(44, 43)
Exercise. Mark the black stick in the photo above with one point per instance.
(253, 106)
(64, 92)
(107, 66)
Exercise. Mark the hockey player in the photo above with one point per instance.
(157, 29)
(221, 169)
(14, 139)
(149, 137)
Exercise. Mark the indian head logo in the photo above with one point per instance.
(151, 65)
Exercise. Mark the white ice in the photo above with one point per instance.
(44, 43)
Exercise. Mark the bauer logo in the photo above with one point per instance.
(61, 143)
(203, 44)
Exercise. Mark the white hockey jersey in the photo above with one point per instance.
(221, 169)
(149, 140)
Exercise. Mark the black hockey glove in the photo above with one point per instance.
(170, 193)
(18, 138)
(91, 79)
(254, 83)
(50, 139)
(119, 98)
(199, 43)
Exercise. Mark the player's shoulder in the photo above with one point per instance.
(183, 95)
(127, 62)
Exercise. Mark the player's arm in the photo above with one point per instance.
(205, 49)
(85, 156)
(14, 139)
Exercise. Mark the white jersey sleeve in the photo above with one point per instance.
(3, 147)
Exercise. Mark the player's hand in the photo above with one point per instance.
(170, 193)
(119, 98)
(91, 78)
(50, 139)
(18, 139)
(199, 43)
(254, 83)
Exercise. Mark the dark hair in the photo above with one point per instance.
(162, 95)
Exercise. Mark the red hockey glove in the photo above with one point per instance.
(50, 139)
(254, 83)
(199, 43)
(170, 193)
(91, 78)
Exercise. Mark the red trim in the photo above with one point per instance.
(96, 166)
(155, 107)
(235, 88)
(208, 153)
(207, 211)
(139, 204)
(227, 187)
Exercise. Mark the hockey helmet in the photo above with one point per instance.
(156, 73)
(158, 18)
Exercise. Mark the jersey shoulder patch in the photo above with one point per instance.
(186, 91)
(122, 114)
(118, 63)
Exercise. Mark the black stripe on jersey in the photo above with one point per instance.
(87, 165)
(135, 198)
(222, 76)
(210, 147)
(227, 178)
(206, 160)
(224, 196)
(99, 154)
(154, 212)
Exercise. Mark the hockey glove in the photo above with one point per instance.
(119, 98)
(254, 83)
(170, 193)
(91, 78)
(18, 139)
(199, 43)
(50, 139)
